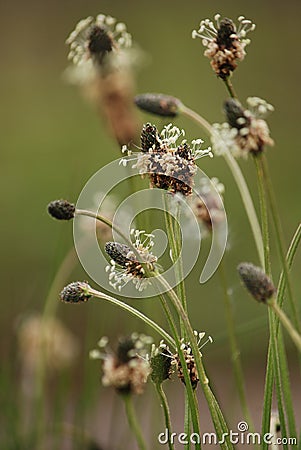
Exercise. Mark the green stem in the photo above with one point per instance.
(187, 428)
(275, 369)
(240, 182)
(214, 408)
(289, 260)
(235, 353)
(189, 391)
(166, 412)
(133, 422)
(295, 336)
(136, 313)
(264, 216)
(279, 241)
(230, 87)
(174, 239)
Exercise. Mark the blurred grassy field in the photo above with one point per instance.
(52, 141)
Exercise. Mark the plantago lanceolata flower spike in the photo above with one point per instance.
(77, 292)
(126, 370)
(128, 265)
(225, 42)
(256, 282)
(159, 104)
(245, 130)
(61, 209)
(168, 162)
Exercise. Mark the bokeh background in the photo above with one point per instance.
(52, 141)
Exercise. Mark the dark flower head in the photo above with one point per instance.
(77, 292)
(95, 38)
(150, 139)
(159, 104)
(256, 282)
(161, 363)
(226, 33)
(61, 209)
(237, 117)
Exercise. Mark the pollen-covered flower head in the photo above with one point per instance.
(225, 42)
(130, 264)
(168, 160)
(126, 370)
(98, 41)
(207, 203)
(245, 130)
(189, 357)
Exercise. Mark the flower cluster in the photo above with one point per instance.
(245, 130)
(126, 370)
(225, 42)
(129, 264)
(169, 164)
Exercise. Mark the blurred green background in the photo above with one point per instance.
(52, 141)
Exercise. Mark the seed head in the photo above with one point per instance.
(256, 282)
(77, 292)
(61, 209)
(159, 104)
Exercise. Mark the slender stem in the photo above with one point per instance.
(187, 428)
(279, 240)
(189, 391)
(275, 368)
(235, 353)
(105, 220)
(230, 87)
(166, 412)
(214, 408)
(174, 240)
(295, 336)
(264, 216)
(133, 422)
(240, 181)
(136, 313)
(289, 259)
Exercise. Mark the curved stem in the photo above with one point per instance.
(166, 412)
(133, 422)
(240, 182)
(136, 313)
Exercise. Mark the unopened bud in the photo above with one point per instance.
(256, 281)
(61, 209)
(159, 104)
(77, 292)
